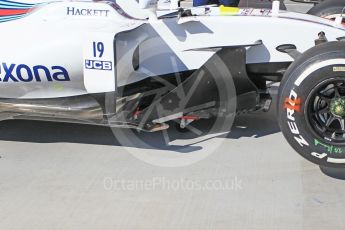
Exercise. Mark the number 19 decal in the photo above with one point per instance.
(98, 49)
(97, 63)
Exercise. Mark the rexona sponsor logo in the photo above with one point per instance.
(25, 73)
(293, 102)
(74, 11)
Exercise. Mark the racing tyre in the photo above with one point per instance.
(311, 105)
(328, 9)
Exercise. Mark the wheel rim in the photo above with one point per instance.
(326, 111)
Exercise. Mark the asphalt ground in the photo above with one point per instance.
(65, 176)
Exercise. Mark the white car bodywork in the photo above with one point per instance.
(45, 53)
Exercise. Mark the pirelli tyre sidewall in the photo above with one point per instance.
(316, 66)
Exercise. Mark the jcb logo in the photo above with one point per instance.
(98, 65)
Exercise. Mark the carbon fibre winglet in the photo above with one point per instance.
(289, 49)
(216, 48)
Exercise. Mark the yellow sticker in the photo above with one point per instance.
(339, 69)
(225, 10)
(58, 87)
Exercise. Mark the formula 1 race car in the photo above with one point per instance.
(329, 9)
(120, 64)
